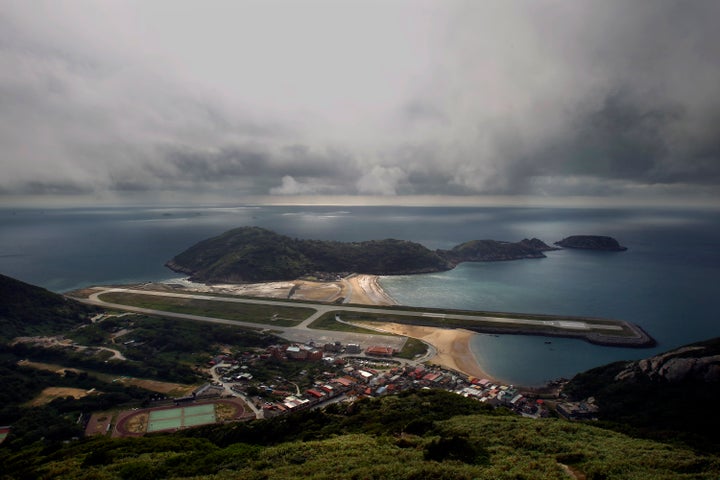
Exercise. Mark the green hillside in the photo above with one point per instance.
(421, 435)
(29, 310)
(492, 250)
(252, 254)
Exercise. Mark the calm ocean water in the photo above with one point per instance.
(667, 281)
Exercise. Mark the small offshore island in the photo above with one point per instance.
(591, 242)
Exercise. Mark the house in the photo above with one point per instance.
(432, 377)
(379, 351)
(344, 381)
(208, 390)
(296, 353)
(303, 352)
(578, 410)
(315, 393)
(364, 375)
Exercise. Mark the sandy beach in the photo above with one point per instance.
(366, 290)
(357, 288)
(452, 346)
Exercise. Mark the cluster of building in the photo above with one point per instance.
(583, 410)
(370, 375)
(312, 352)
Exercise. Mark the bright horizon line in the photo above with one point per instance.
(530, 201)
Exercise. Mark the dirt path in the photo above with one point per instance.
(51, 393)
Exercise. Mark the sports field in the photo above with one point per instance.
(181, 417)
(135, 422)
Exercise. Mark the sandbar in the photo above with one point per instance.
(365, 289)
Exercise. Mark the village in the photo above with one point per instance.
(347, 373)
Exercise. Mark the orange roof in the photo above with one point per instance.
(378, 350)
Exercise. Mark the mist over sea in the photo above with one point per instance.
(667, 280)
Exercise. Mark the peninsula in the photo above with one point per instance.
(253, 254)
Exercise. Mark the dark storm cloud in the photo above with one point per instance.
(217, 166)
(566, 91)
(525, 97)
(49, 188)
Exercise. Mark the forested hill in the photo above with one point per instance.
(252, 254)
(30, 310)
(493, 250)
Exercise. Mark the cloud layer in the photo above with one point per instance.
(551, 98)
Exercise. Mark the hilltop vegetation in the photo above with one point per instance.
(29, 310)
(417, 435)
(253, 254)
(492, 250)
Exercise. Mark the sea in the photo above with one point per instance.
(667, 281)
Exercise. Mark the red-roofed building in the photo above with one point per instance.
(315, 393)
(433, 377)
(379, 351)
(344, 381)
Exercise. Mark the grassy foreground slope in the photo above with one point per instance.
(420, 435)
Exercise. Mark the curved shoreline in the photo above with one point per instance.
(452, 347)
(366, 289)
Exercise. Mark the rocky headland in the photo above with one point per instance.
(691, 363)
(672, 391)
(494, 251)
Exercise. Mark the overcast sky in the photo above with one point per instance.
(370, 101)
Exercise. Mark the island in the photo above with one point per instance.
(591, 242)
(254, 254)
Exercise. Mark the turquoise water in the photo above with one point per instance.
(666, 282)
